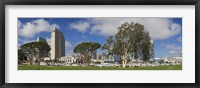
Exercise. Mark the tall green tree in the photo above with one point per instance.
(43, 49)
(94, 47)
(35, 50)
(107, 49)
(130, 38)
(108, 46)
(124, 42)
(84, 50)
(147, 47)
(143, 42)
(29, 50)
(21, 56)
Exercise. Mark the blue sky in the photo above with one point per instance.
(165, 32)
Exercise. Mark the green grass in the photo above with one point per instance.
(28, 67)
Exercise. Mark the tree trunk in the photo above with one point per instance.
(123, 64)
(30, 61)
(85, 64)
(124, 61)
(38, 62)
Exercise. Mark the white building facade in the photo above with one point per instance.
(68, 59)
(57, 45)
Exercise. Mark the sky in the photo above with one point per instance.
(165, 32)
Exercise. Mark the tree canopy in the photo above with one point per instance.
(35, 50)
(130, 38)
(85, 49)
(107, 47)
(21, 56)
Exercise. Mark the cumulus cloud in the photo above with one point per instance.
(172, 51)
(158, 28)
(172, 46)
(23, 41)
(67, 44)
(30, 29)
(67, 47)
(80, 26)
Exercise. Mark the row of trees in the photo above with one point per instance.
(38, 50)
(130, 38)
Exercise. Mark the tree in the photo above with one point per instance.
(94, 47)
(43, 49)
(124, 41)
(21, 56)
(35, 49)
(28, 49)
(143, 43)
(85, 49)
(107, 48)
(130, 38)
(146, 47)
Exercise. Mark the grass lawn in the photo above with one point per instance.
(28, 67)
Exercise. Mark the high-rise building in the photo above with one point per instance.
(57, 45)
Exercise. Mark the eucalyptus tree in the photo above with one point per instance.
(107, 49)
(143, 42)
(125, 41)
(108, 46)
(130, 38)
(147, 47)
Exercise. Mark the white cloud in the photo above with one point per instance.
(80, 42)
(158, 28)
(67, 44)
(179, 39)
(172, 51)
(30, 29)
(172, 46)
(26, 41)
(80, 26)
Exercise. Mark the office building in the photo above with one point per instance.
(57, 45)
